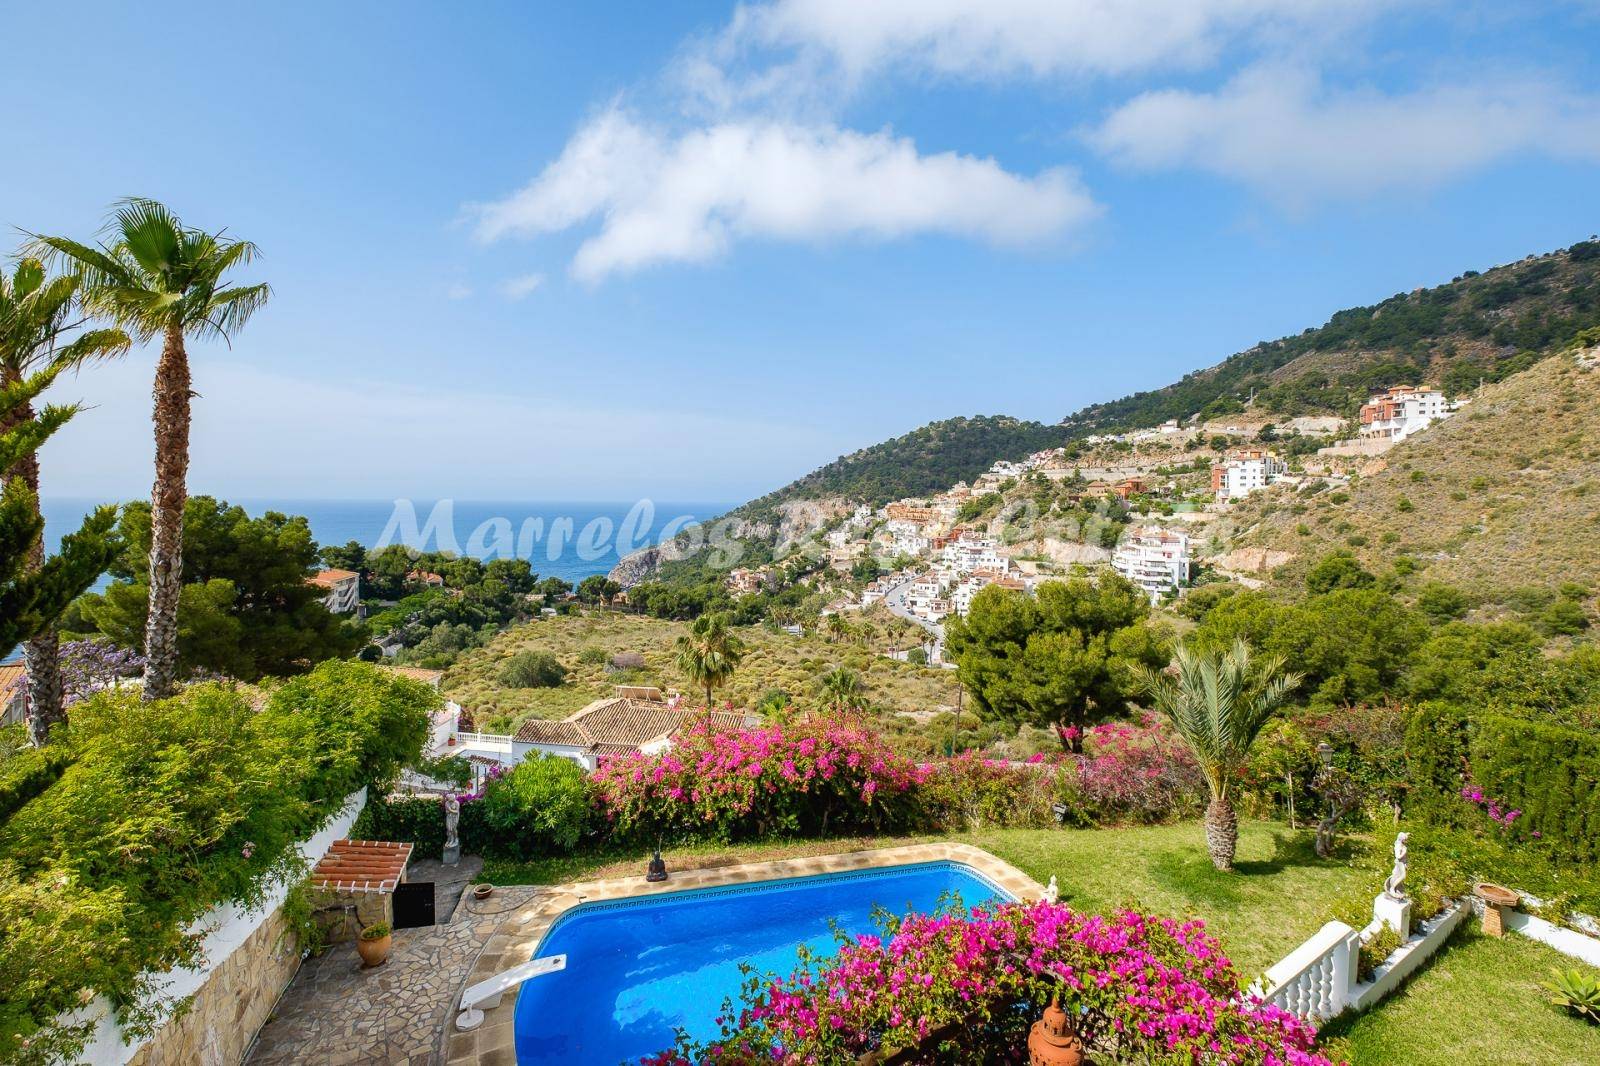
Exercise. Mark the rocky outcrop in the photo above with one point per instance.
(792, 522)
(1253, 560)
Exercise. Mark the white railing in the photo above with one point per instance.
(486, 740)
(1317, 980)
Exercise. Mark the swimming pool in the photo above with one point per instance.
(638, 968)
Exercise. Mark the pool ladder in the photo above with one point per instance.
(485, 995)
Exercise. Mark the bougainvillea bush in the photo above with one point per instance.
(1138, 772)
(969, 791)
(963, 986)
(831, 775)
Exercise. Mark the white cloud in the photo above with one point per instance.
(1037, 38)
(520, 288)
(688, 197)
(457, 291)
(1283, 132)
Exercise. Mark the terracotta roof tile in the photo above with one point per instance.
(362, 866)
(329, 578)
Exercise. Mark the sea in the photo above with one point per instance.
(569, 540)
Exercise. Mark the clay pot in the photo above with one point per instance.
(1497, 900)
(1053, 1041)
(374, 952)
(482, 891)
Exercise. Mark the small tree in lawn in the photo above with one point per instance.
(709, 653)
(1217, 703)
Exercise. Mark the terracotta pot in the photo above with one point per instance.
(1053, 1041)
(374, 952)
(482, 891)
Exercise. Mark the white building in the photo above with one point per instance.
(1402, 411)
(636, 719)
(1244, 472)
(1155, 559)
(970, 552)
(342, 590)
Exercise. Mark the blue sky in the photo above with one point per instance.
(691, 251)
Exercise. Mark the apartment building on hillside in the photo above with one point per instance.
(1245, 471)
(1155, 559)
(1402, 411)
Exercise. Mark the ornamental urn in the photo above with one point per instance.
(1053, 1041)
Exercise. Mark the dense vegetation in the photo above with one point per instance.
(924, 461)
(1478, 326)
(140, 817)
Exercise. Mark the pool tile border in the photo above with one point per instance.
(494, 1042)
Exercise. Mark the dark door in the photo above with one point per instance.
(413, 904)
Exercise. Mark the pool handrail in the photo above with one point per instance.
(486, 993)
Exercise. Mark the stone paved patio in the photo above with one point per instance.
(335, 1013)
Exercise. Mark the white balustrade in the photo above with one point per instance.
(1317, 979)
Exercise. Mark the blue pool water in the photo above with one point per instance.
(637, 969)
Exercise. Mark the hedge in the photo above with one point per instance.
(1550, 772)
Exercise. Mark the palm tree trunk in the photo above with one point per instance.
(167, 498)
(1222, 832)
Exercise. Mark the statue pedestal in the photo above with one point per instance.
(1395, 913)
(452, 855)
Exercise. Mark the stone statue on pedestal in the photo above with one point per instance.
(1394, 886)
(452, 842)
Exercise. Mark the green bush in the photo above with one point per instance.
(533, 669)
(1551, 773)
(166, 809)
(541, 807)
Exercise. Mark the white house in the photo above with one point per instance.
(970, 552)
(636, 719)
(1402, 411)
(1155, 559)
(1244, 472)
(342, 590)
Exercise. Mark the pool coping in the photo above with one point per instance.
(493, 1043)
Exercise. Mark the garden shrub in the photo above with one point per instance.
(972, 792)
(964, 986)
(827, 775)
(165, 810)
(533, 669)
(1551, 773)
(1137, 772)
(541, 807)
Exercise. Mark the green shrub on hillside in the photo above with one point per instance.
(533, 669)
(541, 807)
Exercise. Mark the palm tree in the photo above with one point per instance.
(710, 652)
(38, 331)
(838, 626)
(842, 690)
(1218, 702)
(154, 276)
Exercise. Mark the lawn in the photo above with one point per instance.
(775, 660)
(1280, 894)
(1478, 1001)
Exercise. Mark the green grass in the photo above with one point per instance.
(1479, 1000)
(1280, 894)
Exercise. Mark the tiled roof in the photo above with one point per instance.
(329, 578)
(619, 724)
(362, 866)
(13, 679)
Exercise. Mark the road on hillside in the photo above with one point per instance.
(895, 600)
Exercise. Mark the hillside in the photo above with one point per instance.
(924, 461)
(1476, 327)
(1501, 499)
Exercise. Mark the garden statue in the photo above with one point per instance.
(452, 842)
(1391, 907)
(1052, 891)
(1394, 887)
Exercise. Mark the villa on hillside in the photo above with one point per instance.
(635, 719)
(1402, 411)
(1245, 471)
(1155, 559)
(342, 590)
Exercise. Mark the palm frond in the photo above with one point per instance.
(95, 344)
(98, 267)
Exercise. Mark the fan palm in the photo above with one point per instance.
(1218, 702)
(841, 689)
(38, 331)
(710, 652)
(156, 277)
(838, 626)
